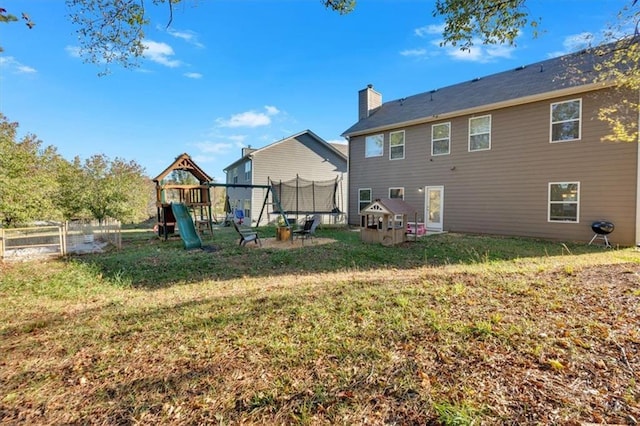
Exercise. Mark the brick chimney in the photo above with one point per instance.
(368, 100)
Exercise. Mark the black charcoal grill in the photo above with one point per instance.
(602, 229)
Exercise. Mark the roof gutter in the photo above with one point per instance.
(483, 108)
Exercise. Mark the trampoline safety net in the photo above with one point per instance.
(303, 196)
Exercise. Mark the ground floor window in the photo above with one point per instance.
(564, 201)
(396, 193)
(364, 198)
(247, 209)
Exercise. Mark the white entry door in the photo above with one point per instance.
(434, 207)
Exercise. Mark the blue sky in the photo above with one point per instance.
(233, 73)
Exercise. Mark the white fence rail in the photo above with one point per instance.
(59, 240)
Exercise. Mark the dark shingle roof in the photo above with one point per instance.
(538, 78)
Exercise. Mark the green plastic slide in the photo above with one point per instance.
(187, 229)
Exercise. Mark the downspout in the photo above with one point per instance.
(347, 209)
(313, 194)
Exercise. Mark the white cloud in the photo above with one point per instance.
(249, 118)
(73, 51)
(9, 62)
(578, 41)
(245, 119)
(575, 42)
(271, 110)
(473, 54)
(413, 52)
(429, 30)
(160, 53)
(479, 52)
(25, 69)
(499, 51)
(214, 147)
(186, 35)
(195, 75)
(238, 140)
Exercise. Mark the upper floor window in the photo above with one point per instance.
(396, 193)
(564, 199)
(234, 175)
(441, 139)
(396, 145)
(247, 171)
(480, 133)
(374, 146)
(364, 198)
(565, 120)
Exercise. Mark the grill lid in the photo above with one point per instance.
(602, 227)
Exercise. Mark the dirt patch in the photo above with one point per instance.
(289, 244)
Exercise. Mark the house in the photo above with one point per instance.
(516, 153)
(308, 173)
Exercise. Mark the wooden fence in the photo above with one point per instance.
(59, 240)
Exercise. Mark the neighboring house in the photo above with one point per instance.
(304, 155)
(516, 153)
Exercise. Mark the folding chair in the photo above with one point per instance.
(246, 235)
(309, 228)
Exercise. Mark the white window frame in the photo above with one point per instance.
(579, 120)
(247, 171)
(371, 138)
(400, 188)
(448, 138)
(577, 203)
(360, 197)
(476, 134)
(395, 146)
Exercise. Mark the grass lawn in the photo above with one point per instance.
(451, 330)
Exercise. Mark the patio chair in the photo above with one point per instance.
(246, 235)
(309, 228)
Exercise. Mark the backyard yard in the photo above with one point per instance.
(450, 329)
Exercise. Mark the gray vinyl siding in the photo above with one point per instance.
(504, 190)
(238, 195)
(302, 156)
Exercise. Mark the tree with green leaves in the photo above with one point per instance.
(27, 177)
(6, 17)
(114, 188)
(621, 65)
(36, 183)
(71, 197)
